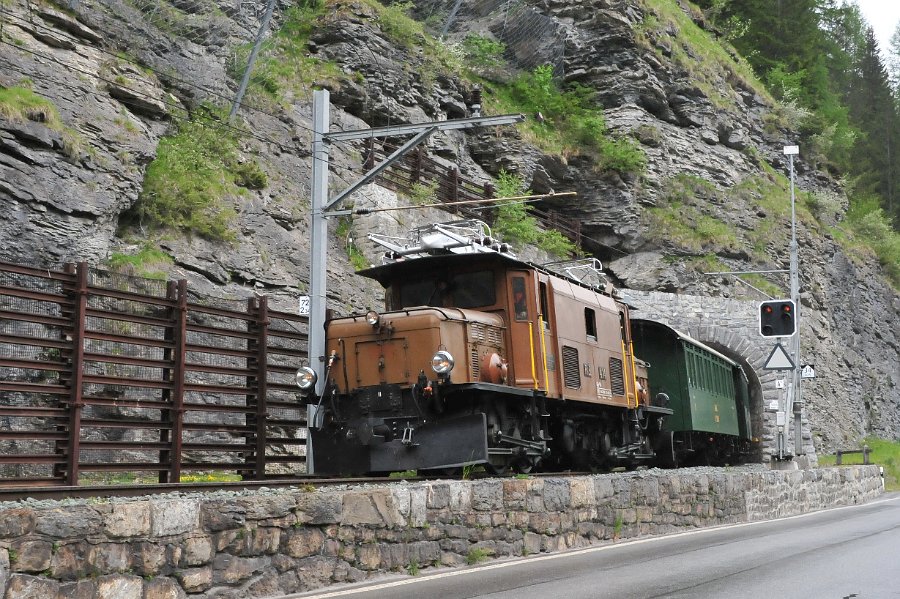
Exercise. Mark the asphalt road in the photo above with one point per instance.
(833, 554)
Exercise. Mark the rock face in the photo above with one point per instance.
(64, 189)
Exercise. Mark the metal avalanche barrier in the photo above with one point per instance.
(102, 373)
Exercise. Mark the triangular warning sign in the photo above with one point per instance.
(779, 360)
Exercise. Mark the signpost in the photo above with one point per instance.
(780, 360)
(797, 405)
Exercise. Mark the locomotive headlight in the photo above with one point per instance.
(372, 317)
(306, 378)
(442, 362)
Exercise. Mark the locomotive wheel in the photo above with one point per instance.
(525, 464)
(498, 421)
(498, 464)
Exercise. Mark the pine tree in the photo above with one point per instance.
(873, 110)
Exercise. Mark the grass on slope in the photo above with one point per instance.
(571, 125)
(19, 104)
(697, 51)
(195, 170)
(884, 453)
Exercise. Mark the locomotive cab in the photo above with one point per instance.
(408, 388)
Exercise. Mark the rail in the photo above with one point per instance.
(103, 374)
(840, 453)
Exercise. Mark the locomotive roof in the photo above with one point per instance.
(412, 266)
(678, 335)
(385, 273)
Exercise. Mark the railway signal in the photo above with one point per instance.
(777, 318)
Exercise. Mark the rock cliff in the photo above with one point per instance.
(118, 75)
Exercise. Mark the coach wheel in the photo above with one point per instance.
(665, 449)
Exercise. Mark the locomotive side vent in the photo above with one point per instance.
(616, 376)
(480, 333)
(476, 364)
(571, 371)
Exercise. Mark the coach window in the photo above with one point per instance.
(590, 324)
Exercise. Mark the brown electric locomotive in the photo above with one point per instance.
(480, 358)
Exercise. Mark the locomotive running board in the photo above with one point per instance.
(450, 443)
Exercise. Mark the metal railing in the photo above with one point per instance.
(101, 373)
(416, 167)
(840, 453)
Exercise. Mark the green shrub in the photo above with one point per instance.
(515, 224)
(423, 193)
(413, 568)
(872, 228)
(482, 51)
(147, 262)
(570, 121)
(250, 175)
(477, 555)
(621, 155)
(284, 66)
(399, 26)
(344, 232)
(195, 170)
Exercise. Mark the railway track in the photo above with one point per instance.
(99, 491)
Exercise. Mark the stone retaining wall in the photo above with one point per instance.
(275, 542)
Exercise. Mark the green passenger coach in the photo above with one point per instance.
(706, 390)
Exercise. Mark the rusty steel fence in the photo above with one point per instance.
(106, 373)
(417, 168)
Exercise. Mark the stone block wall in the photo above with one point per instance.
(281, 541)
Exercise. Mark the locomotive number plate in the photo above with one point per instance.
(603, 391)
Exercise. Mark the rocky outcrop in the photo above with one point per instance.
(63, 190)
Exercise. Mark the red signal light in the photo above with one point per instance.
(776, 318)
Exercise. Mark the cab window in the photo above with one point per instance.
(590, 324)
(545, 316)
(520, 303)
(462, 290)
